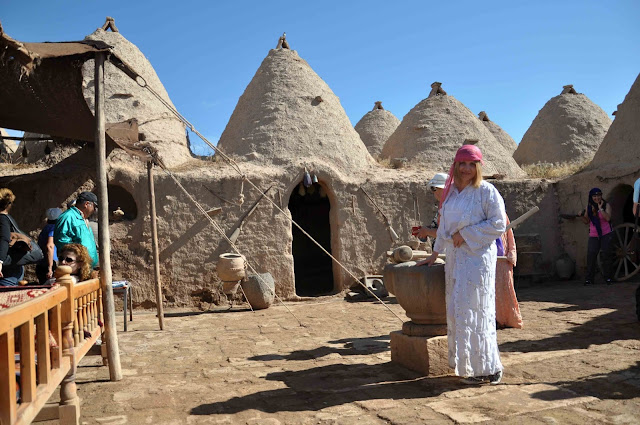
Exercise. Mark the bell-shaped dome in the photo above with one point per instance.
(431, 133)
(125, 99)
(289, 115)
(621, 144)
(501, 136)
(375, 127)
(569, 127)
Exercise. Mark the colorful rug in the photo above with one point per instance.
(15, 296)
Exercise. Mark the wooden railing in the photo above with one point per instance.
(64, 313)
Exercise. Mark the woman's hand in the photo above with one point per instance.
(425, 231)
(458, 240)
(429, 260)
(1, 275)
(49, 273)
(606, 212)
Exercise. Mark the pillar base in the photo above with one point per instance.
(414, 329)
(427, 355)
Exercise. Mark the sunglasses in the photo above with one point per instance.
(433, 189)
(597, 194)
(67, 260)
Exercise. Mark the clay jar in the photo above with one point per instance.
(259, 290)
(565, 267)
(231, 269)
(419, 290)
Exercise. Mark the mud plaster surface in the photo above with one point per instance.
(190, 246)
(374, 129)
(431, 133)
(569, 127)
(575, 362)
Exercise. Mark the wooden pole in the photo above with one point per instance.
(154, 244)
(69, 409)
(110, 335)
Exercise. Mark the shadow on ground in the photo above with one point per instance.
(619, 324)
(332, 385)
(350, 347)
(618, 385)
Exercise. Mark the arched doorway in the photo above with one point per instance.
(309, 207)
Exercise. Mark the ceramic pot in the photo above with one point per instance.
(230, 288)
(231, 267)
(565, 267)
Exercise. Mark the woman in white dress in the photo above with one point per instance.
(472, 217)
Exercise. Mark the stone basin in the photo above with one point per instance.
(420, 291)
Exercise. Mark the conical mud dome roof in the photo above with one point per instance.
(431, 133)
(125, 99)
(288, 115)
(501, 136)
(621, 144)
(375, 127)
(569, 127)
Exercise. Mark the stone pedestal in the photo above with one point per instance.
(428, 355)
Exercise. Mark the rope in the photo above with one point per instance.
(236, 168)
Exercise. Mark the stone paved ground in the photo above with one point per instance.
(576, 362)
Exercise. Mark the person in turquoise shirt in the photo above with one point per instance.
(72, 227)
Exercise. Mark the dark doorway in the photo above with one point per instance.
(621, 200)
(309, 207)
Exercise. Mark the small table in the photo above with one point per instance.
(125, 290)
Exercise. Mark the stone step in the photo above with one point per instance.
(528, 242)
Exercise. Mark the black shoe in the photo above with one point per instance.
(587, 283)
(495, 378)
(609, 281)
(474, 380)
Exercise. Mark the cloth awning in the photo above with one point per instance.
(41, 86)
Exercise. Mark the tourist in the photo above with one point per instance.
(472, 216)
(436, 185)
(507, 308)
(598, 216)
(72, 226)
(10, 275)
(46, 266)
(77, 257)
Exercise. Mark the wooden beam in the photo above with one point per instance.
(154, 244)
(111, 335)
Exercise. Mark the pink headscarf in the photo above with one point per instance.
(465, 153)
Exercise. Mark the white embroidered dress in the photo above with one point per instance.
(470, 273)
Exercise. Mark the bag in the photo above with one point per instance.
(22, 249)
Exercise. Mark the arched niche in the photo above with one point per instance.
(120, 197)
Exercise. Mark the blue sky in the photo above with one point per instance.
(505, 57)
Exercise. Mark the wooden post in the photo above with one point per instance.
(110, 334)
(154, 244)
(69, 401)
(8, 403)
